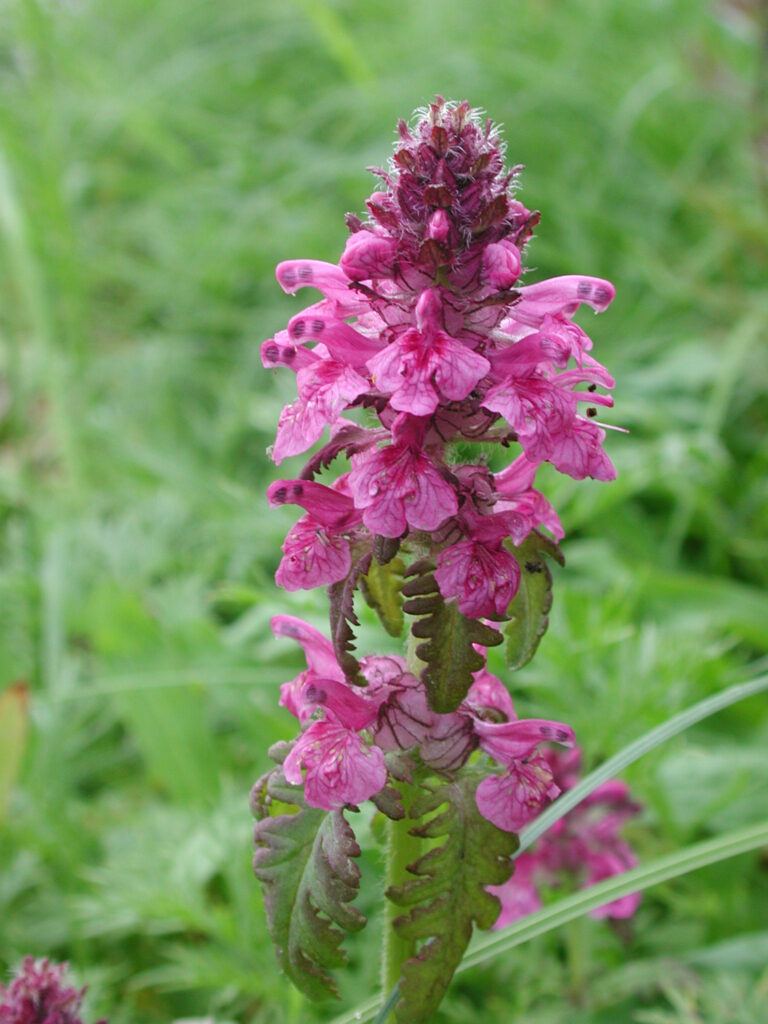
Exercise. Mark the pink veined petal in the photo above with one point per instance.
(501, 264)
(368, 255)
(295, 274)
(562, 295)
(482, 579)
(510, 801)
(488, 692)
(350, 708)
(313, 557)
(537, 409)
(317, 648)
(507, 742)
(340, 768)
(579, 453)
(397, 486)
(342, 341)
(325, 504)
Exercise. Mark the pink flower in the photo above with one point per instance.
(326, 386)
(399, 486)
(340, 767)
(514, 798)
(584, 845)
(483, 579)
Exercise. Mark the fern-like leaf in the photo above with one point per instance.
(305, 863)
(343, 617)
(448, 894)
(449, 655)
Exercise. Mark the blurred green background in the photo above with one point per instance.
(157, 158)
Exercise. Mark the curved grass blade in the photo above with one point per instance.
(635, 750)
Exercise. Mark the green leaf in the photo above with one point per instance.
(529, 609)
(305, 863)
(448, 894)
(381, 589)
(343, 617)
(449, 655)
(14, 725)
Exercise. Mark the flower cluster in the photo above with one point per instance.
(425, 329)
(339, 758)
(424, 322)
(37, 995)
(585, 846)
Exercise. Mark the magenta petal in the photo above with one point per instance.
(398, 486)
(519, 896)
(342, 341)
(367, 256)
(340, 768)
(501, 264)
(326, 505)
(564, 295)
(509, 741)
(313, 557)
(317, 648)
(483, 580)
(510, 801)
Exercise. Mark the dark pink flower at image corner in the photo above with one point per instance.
(37, 994)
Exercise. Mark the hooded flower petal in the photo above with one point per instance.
(398, 486)
(513, 799)
(481, 578)
(340, 767)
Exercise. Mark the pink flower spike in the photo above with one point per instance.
(340, 767)
(398, 486)
(326, 505)
(313, 556)
(317, 648)
(37, 994)
(507, 742)
(511, 800)
(483, 579)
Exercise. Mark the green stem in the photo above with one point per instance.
(402, 849)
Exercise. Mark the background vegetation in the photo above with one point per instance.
(157, 158)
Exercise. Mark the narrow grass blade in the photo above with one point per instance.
(635, 750)
(737, 841)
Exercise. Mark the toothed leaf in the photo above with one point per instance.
(343, 617)
(528, 611)
(448, 894)
(381, 589)
(305, 863)
(449, 655)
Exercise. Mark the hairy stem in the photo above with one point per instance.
(402, 849)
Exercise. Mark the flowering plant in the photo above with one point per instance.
(425, 328)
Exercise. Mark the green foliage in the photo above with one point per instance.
(381, 587)
(304, 861)
(14, 727)
(449, 655)
(529, 609)
(448, 895)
